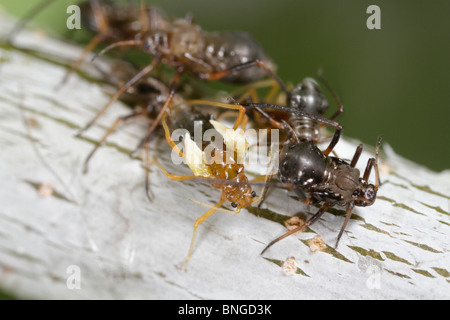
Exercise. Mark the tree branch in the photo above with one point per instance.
(54, 219)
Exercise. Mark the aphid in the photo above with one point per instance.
(186, 47)
(222, 168)
(318, 178)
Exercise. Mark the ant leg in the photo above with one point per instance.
(272, 121)
(309, 222)
(166, 105)
(336, 125)
(264, 191)
(125, 87)
(254, 63)
(110, 130)
(348, 214)
(198, 222)
(373, 162)
(335, 96)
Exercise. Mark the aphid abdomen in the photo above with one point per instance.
(228, 49)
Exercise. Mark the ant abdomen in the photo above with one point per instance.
(303, 165)
(227, 49)
(307, 97)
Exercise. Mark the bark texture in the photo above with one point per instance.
(99, 231)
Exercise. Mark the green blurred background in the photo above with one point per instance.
(393, 81)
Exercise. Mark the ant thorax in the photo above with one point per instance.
(340, 186)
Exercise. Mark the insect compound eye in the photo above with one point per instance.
(234, 205)
(253, 194)
(370, 194)
(356, 193)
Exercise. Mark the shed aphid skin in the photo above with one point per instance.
(183, 45)
(224, 173)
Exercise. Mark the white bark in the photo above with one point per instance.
(128, 247)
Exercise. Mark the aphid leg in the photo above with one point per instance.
(143, 17)
(348, 214)
(166, 106)
(169, 138)
(108, 132)
(156, 60)
(147, 156)
(309, 222)
(249, 90)
(264, 190)
(237, 211)
(124, 43)
(91, 46)
(265, 187)
(198, 222)
(241, 116)
(173, 176)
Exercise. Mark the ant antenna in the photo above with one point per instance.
(377, 173)
(333, 93)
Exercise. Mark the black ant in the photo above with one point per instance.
(306, 169)
(317, 178)
(310, 106)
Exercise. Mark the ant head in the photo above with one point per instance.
(308, 97)
(365, 194)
